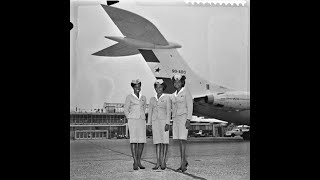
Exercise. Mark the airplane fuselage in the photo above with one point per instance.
(208, 110)
(238, 101)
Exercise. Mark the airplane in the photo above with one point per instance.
(143, 37)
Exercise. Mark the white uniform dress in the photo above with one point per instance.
(134, 110)
(182, 107)
(159, 114)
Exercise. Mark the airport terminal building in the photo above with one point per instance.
(111, 122)
(107, 123)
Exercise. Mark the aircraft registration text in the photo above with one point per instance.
(178, 71)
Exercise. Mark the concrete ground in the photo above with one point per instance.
(209, 158)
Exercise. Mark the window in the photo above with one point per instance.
(208, 87)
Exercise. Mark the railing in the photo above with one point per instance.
(91, 134)
(96, 124)
(98, 121)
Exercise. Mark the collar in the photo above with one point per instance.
(175, 93)
(159, 97)
(136, 96)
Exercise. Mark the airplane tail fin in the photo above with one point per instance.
(164, 63)
(119, 49)
(159, 70)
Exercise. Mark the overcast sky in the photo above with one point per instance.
(215, 43)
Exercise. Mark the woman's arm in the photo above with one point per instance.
(168, 110)
(150, 109)
(126, 106)
(189, 104)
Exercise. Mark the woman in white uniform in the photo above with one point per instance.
(134, 110)
(159, 115)
(182, 107)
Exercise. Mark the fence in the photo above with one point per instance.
(91, 134)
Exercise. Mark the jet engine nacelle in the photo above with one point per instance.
(209, 99)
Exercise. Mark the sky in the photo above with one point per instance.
(215, 44)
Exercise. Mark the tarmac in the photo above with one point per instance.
(209, 158)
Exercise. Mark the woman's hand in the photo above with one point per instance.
(166, 128)
(188, 124)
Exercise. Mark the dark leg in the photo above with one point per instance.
(164, 156)
(183, 156)
(160, 153)
(140, 150)
(134, 147)
(158, 157)
(181, 152)
(180, 145)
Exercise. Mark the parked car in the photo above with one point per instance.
(121, 136)
(237, 132)
(234, 132)
(200, 134)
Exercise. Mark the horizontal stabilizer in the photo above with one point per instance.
(134, 26)
(119, 49)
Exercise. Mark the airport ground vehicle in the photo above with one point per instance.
(233, 132)
(121, 136)
(243, 131)
(200, 134)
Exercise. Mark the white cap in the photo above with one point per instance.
(158, 81)
(177, 76)
(137, 81)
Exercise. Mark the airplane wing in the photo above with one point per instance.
(134, 26)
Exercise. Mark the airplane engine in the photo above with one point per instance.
(209, 99)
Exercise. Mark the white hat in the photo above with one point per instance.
(177, 76)
(137, 81)
(158, 81)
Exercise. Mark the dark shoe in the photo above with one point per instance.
(141, 167)
(183, 169)
(135, 167)
(163, 167)
(155, 168)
